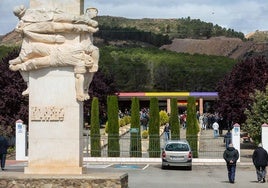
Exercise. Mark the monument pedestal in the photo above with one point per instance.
(55, 123)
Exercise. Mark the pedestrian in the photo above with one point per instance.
(167, 132)
(227, 138)
(3, 151)
(260, 159)
(231, 155)
(201, 121)
(215, 127)
(144, 118)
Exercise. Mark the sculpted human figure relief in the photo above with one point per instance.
(44, 44)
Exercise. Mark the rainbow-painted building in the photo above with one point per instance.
(203, 99)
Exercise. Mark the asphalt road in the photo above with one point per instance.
(152, 176)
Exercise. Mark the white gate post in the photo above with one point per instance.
(264, 136)
(236, 138)
(21, 140)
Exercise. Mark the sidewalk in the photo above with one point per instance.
(245, 153)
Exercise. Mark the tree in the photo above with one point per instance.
(257, 115)
(95, 129)
(174, 120)
(113, 127)
(13, 105)
(102, 85)
(154, 123)
(234, 90)
(192, 126)
(135, 142)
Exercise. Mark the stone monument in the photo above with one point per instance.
(58, 61)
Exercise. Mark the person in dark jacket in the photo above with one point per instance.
(227, 138)
(3, 151)
(231, 155)
(260, 159)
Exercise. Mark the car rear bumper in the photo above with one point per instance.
(171, 163)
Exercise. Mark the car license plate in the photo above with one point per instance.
(176, 157)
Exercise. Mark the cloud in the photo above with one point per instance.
(240, 15)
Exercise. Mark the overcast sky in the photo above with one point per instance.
(241, 15)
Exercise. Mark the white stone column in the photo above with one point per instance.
(264, 136)
(70, 6)
(168, 106)
(55, 123)
(236, 138)
(21, 141)
(55, 115)
(201, 105)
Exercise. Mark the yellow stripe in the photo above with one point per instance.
(167, 94)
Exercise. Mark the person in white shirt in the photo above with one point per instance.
(215, 127)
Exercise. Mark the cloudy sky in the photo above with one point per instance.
(241, 15)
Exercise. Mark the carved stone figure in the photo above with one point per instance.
(44, 44)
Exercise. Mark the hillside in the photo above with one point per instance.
(220, 46)
(215, 45)
(11, 39)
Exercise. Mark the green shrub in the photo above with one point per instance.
(163, 117)
(144, 134)
(11, 150)
(127, 120)
(122, 122)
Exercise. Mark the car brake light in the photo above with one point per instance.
(190, 155)
(163, 154)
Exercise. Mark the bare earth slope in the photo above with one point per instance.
(220, 46)
(11, 38)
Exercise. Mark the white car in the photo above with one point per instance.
(177, 153)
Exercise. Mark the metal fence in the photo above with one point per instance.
(207, 146)
(124, 146)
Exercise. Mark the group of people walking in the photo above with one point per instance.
(259, 159)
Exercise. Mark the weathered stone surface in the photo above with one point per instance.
(18, 180)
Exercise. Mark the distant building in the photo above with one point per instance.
(204, 100)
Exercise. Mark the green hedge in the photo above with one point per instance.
(154, 123)
(135, 143)
(113, 127)
(174, 120)
(95, 129)
(192, 128)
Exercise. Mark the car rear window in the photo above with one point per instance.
(177, 147)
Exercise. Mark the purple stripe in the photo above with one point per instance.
(204, 94)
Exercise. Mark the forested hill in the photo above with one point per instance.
(173, 28)
(184, 35)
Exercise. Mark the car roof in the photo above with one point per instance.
(177, 141)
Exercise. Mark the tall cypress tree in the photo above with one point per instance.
(154, 123)
(95, 129)
(135, 143)
(113, 127)
(174, 120)
(192, 126)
